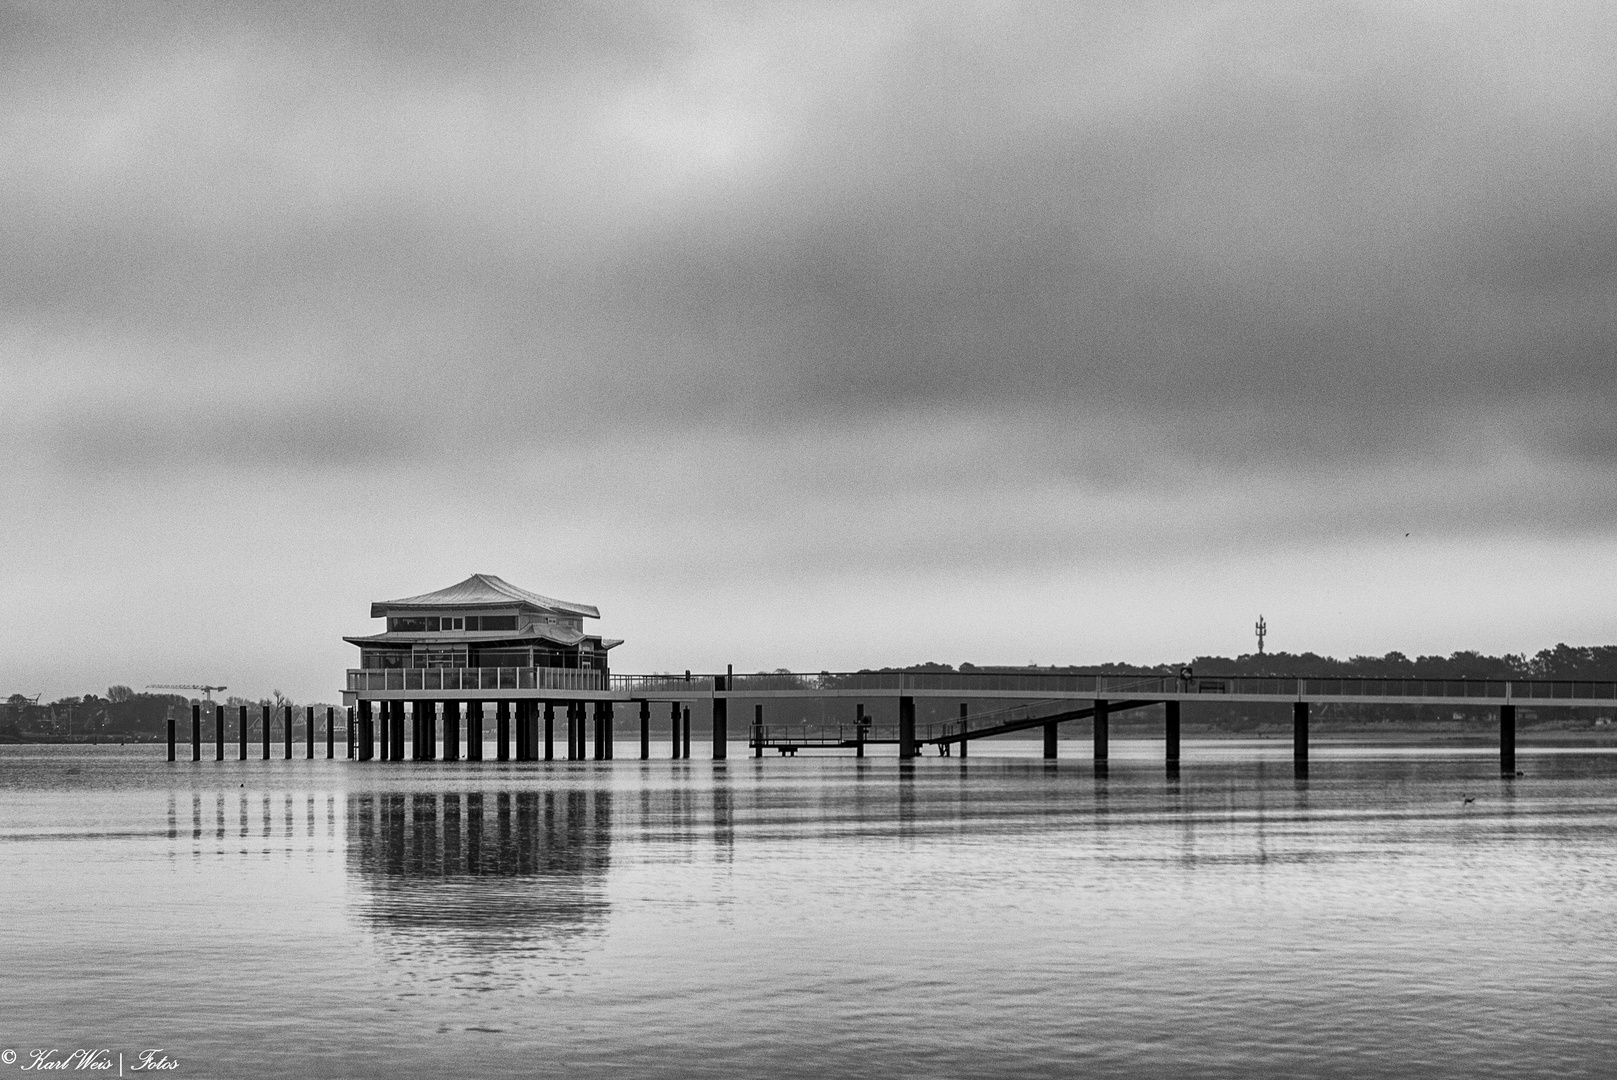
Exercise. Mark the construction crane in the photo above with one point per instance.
(207, 691)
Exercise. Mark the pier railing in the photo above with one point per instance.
(1132, 686)
(476, 678)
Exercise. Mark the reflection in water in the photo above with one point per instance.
(497, 872)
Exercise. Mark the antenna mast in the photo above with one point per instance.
(1262, 629)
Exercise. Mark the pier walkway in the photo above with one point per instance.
(377, 701)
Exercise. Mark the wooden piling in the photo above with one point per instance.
(906, 729)
(218, 733)
(451, 730)
(308, 733)
(266, 732)
(1170, 731)
(502, 731)
(474, 731)
(673, 728)
(1507, 739)
(721, 721)
(645, 729)
(1299, 735)
(196, 732)
(1102, 722)
(363, 739)
(348, 732)
(859, 732)
(396, 731)
(600, 732)
(1050, 736)
(171, 734)
(550, 731)
(757, 731)
(685, 733)
(964, 717)
(331, 733)
(286, 729)
(611, 730)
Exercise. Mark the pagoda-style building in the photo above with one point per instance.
(478, 642)
(486, 622)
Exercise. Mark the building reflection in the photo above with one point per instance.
(495, 870)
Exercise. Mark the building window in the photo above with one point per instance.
(409, 624)
(440, 658)
(499, 622)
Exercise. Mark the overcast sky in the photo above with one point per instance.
(809, 336)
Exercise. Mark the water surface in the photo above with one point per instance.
(991, 916)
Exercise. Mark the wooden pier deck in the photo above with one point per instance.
(377, 702)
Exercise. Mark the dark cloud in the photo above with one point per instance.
(1142, 249)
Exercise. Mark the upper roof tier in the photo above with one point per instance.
(485, 590)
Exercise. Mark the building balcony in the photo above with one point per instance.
(457, 679)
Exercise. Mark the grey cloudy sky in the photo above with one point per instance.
(805, 335)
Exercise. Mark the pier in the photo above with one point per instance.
(446, 658)
(449, 709)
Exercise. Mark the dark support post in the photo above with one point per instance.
(1103, 715)
(721, 725)
(429, 740)
(519, 722)
(685, 732)
(474, 731)
(171, 734)
(859, 732)
(196, 731)
(241, 733)
(349, 732)
(502, 731)
(1507, 739)
(396, 734)
(218, 733)
(550, 731)
(611, 730)
(362, 740)
(757, 731)
(906, 728)
(1050, 741)
(331, 732)
(266, 719)
(1299, 735)
(1170, 726)
(600, 731)
(530, 723)
(308, 733)
(965, 713)
(645, 729)
(451, 731)
(286, 729)
(673, 727)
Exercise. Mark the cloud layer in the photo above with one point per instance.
(917, 288)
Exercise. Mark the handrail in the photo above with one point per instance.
(361, 680)
(1110, 685)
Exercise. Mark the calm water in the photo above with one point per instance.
(817, 916)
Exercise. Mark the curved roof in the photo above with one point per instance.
(485, 590)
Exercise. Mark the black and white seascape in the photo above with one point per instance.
(808, 539)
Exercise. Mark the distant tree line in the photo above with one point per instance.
(122, 713)
(1562, 662)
